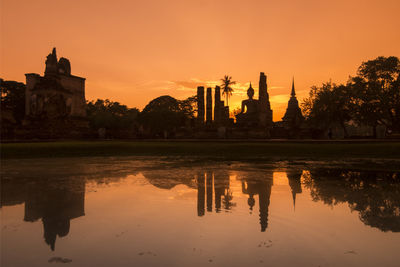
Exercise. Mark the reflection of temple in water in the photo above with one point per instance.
(208, 182)
(56, 205)
(56, 202)
(260, 185)
(294, 177)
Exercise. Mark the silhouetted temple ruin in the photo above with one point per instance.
(256, 113)
(254, 119)
(55, 103)
(293, 116)
(265, 112)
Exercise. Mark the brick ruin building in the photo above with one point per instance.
(55, 104)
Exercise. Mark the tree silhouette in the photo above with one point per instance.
(226, 87)
(373, 194)
(328, 105)
(13, 98)
(370, 98)
(112, 116)
(377, 91)
(166, 114)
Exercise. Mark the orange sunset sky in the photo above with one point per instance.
(133, 51)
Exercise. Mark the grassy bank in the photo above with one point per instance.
(226, 150)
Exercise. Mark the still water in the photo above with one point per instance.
(188, 212)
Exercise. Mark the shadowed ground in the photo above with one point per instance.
(227, 150)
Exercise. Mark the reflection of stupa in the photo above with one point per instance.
(294, 177)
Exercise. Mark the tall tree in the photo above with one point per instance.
(111, 115)
(377, 90)
(13, 98)
(327, 105)
(166, 114)
(226, 87)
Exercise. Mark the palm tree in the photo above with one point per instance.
(226, 87)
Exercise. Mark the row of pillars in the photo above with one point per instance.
(205, 109)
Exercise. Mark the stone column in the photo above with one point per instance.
(265, 112)
(262, 91)
(217, 104)
(209, 106)
(200, 105)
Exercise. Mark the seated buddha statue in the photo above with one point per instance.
(249, 112)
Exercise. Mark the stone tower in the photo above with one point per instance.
(209, 106)
(217, 104)
(265, 112)
(200, 104)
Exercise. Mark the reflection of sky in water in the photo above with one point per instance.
(130, 211)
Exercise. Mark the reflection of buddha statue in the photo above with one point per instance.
(262, 188)
(248, 114)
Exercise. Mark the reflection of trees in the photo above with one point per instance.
(375, 195)
(169, 178)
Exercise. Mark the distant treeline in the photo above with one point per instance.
(162, 116)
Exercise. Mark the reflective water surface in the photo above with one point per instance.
(183, 212)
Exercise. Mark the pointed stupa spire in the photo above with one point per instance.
(293, 91)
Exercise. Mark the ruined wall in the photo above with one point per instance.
(76, 85)
(31, 80)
